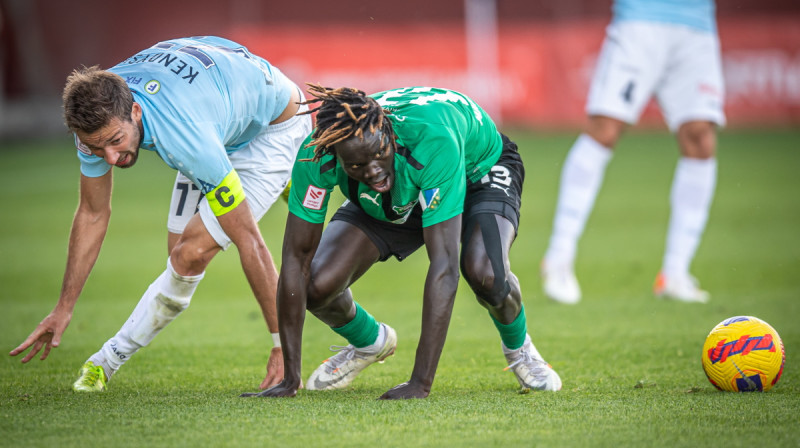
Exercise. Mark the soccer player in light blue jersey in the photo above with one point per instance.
(666, 48)
(225, 120)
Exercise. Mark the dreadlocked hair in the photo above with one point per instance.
(343, 113)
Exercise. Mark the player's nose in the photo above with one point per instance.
(110, 156)
(372, 170)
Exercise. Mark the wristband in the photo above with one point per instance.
(276, 339)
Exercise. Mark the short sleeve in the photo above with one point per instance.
(442, 183)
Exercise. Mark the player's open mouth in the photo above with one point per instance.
(126, 161)
(382, 186)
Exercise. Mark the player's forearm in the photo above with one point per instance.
(292, 299)
(441, 283)
(437, 308)
(257, 264)
(85, 240)
(260, 271)
(300, 242)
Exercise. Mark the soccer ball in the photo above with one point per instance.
(743, 354)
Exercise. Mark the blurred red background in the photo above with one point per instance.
(544, 49)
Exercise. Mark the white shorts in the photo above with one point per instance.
(264, 167)
(681, 66)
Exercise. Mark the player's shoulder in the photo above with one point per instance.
(312, 167)
(429, 106)
(417, 95)
(306, 151)
(206, 43)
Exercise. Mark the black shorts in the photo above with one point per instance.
(498, 193)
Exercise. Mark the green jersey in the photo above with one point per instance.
(444, 141)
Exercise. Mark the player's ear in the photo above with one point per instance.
(136, 112)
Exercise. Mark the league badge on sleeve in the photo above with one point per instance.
(429, 198)
(314, 197)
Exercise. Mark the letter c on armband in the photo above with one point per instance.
(227, 196)
(223, 196)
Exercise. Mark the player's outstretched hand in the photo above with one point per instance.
(47, 334)
(285, 388)
(274, 369)
(405, 391)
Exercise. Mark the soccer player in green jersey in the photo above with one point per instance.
(419, 166)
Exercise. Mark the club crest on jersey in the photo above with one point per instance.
(429, 198)
(82, 147)
(314, 197)
(152, 87)
(404, 209)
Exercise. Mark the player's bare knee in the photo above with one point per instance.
(493, 296)
(489, 290)
(320, 294)
(473, 271)
(605, 130)
(188, 259)
(482, 286)
(697, 139)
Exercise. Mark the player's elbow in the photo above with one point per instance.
(89, 216)
(445, 276)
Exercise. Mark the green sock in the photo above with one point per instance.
(513, 334)
(361, 331)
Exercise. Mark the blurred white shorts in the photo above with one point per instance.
(264, 167)
(681, 66)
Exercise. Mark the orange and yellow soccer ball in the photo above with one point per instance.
(743, 354)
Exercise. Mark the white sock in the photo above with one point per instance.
(163, 301)
(690, 201)
(376, 346)
(581, 179)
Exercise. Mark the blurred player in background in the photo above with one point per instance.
(669, 49)
(225, 119)
(420, 166)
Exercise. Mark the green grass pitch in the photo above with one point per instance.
(630, 363)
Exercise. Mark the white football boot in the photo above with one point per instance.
(531, 370)
(683, 288)
(339, 370)
(560, 284)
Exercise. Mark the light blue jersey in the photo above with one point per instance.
(697, 14)
(202, 98)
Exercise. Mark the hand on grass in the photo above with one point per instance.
(405, 391)
(286, 388)
(48, 335)
(274, 369)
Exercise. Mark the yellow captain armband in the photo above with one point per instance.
(286, 191)
(227, 196)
